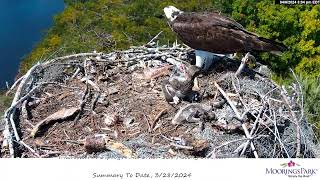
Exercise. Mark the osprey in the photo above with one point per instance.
(179, 86)
(210, 33)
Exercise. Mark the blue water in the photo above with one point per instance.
(22, 24)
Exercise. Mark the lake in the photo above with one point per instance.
(22, 24)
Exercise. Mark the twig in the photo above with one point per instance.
(71, 56)
(301, 94)
(82, 104)
(225, 144)
(251, 132)
(57, 84)
(94, 103)
(148, 123)
(275, 135)
(233, 107)
(235, 110)
(14, 85)
(295, 120)
(154, 38)
(84, 97)
(181, 146)
(156, 119)
(76, 73)
(10, 112)
(29, 148)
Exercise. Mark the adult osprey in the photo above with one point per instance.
(212, 32)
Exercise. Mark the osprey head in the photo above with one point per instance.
(172, 12)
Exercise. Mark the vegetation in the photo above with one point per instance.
(105, 25)
(5, 102)
(312, 101)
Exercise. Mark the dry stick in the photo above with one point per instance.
(235, 110)
(16, 101)
(293, 116)
(94, 103)
(276, 136)
(58, 84)
(154, 38)
(94, 85)
(225, 144)
(86, 92)
(82, 103)
(52, 54)
(148, 123)
(71, 56)
(275, 132)
(9, 113)
(156, 119)
(296, 122)
(301, 94)
(29, 148)
(251, 132)
(181, 146)
(14, 85)
(75, 73)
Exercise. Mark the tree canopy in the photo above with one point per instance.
(106, 25)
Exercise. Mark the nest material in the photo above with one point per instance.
(119, 99)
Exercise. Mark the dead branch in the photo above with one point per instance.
(154, 38)
(252, 131)
(70, 57)
(29, 148)
(14, 85)
(235, 110)
(295, 120)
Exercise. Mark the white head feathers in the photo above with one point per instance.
(172, 12)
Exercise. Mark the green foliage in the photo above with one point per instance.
(5, 102)
(106, 25)
(311, 88)
(309, 67)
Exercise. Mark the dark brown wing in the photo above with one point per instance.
(218, 34)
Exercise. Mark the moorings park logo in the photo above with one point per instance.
(292, 169)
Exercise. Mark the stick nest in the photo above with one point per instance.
(117, 98)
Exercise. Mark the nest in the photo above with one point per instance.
(96, 105)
